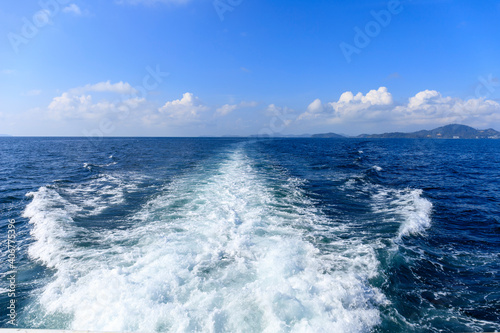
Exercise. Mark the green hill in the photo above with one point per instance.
(453, 131)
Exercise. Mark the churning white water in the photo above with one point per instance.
(413, 209)
(223, 250)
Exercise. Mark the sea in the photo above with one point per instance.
(250, 235)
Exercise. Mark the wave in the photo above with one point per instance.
(224, 250)
(100, 192)
(52, 218)
(91, 166)
(54, 208)
(408, 206)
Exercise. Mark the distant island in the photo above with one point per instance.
(328, 135)
(453, 131)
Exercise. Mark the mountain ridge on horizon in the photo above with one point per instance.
(451, 131)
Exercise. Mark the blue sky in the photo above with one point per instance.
(203, 67)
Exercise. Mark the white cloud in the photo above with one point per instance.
(88, 104)
(72, 9)
(280, 117)
(183, 110)
(373, 111)
(349, 105)
(314, 110)
(228, 108)
(426, 107)
(429, 106)
(373, 97)
(423, 98)
(118, 88)
(315, 107)
(78, 104)
(70, 106)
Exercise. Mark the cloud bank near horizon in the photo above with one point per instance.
(352, 113)
(428, 107)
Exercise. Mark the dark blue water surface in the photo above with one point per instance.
(267, 235)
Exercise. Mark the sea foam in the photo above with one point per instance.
(217, 251)
(414, 211)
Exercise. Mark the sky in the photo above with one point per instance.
(240, 67)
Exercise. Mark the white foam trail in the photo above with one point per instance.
(100, 193)
(212, 254)
(51, 216)
(409, 204)
(417, 211)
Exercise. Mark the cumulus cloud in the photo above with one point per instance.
(429, 106)
(77, 103)
(188, 108)
(424, 97)
(71, 106)
(426, 107)
(314, 109)
(349, 105)
(373, 97)
(228, 108)
(68, 106)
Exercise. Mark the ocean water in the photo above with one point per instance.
(251, 235)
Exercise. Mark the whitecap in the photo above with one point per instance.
(413, 209)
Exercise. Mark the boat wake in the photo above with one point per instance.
(226, 249)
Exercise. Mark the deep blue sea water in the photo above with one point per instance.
(251, 235)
